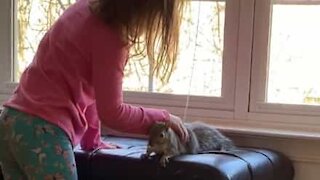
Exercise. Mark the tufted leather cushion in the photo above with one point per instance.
(126, 163)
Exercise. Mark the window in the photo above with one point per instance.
(200, 57)
(294, 54)
(251, 63)
(34, 18)
(206, 60)
(201, 62)
(286, 57)
(201, 47)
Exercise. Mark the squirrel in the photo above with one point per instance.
(165, 142)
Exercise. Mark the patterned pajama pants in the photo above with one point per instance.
(31, 148)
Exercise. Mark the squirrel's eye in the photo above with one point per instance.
(162, 135)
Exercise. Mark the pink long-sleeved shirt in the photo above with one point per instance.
(75, 79)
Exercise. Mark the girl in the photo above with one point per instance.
(75, 82)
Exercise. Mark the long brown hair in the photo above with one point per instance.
(151, 27)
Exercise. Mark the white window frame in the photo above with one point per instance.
(6, 40)
(6, 48)
(259, 108)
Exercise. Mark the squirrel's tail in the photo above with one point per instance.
(228, 145)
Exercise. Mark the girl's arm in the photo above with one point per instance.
(109, 56)
(91, 140)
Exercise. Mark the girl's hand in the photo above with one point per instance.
(106, 145)
(177, 125)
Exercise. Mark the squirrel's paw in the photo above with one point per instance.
(164, 160)
(145, 156)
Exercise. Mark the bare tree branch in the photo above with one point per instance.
(61, 5)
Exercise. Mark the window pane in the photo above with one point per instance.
(294, 54)
(207, 64)
(35, 17)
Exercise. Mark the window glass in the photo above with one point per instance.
(200, 55)
(294, 60)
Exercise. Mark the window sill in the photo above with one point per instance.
(270, 130)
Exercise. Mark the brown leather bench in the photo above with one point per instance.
(126, 163)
